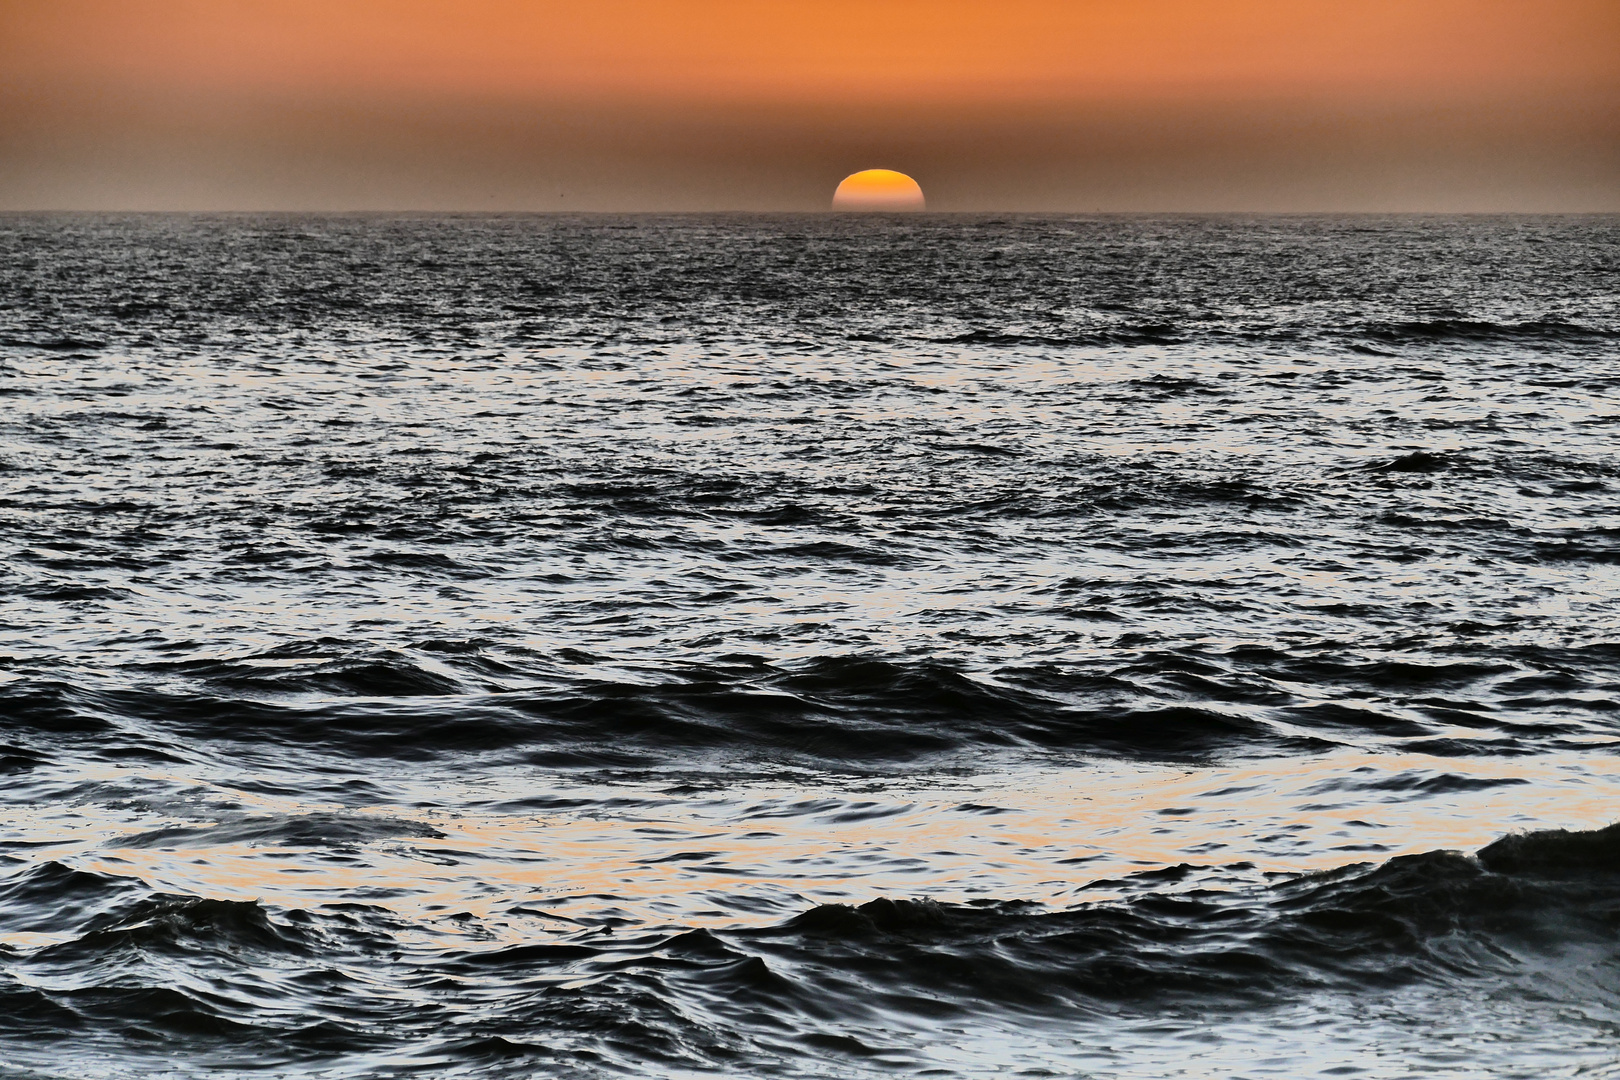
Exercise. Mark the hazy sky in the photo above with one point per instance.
(766, 104)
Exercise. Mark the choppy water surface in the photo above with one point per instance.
(809, 647)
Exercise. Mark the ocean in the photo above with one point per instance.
(813, 646)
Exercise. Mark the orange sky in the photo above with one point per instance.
(1208, 104)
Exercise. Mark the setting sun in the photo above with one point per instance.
(879, 189)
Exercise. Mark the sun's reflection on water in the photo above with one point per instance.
(727, 852)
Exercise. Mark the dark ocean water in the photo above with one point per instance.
(809, 646)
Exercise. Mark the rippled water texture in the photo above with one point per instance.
(809, 646)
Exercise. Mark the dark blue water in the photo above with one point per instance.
(809, 646)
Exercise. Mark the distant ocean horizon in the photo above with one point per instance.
(1597, 216)
(809, 645)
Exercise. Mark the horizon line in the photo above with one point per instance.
(564, 212)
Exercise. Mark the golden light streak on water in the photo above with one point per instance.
(759, 852)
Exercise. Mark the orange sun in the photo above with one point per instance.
(878, 189)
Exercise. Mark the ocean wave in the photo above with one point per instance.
(1484, 330)
(314, 830)
(855, 712)
(1437, 916)
(1149, 334)
(851, 713)
(168, 971)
